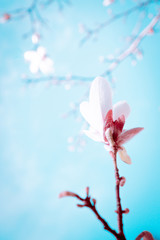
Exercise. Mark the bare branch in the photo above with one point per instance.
(59, 79)
(128, 52)
(91, 203)
(91, 32)
(132, 48)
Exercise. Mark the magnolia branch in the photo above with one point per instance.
(56, 80)
(72, 79)
(133, 47)
(90, 203)
(33, 12)
(145, 235)
(119, 210)
(91, 32)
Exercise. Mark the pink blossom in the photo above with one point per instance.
(107, 121)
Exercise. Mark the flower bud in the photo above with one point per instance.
(122, 181)
(6, 16)
(67, 194)
(87, 191)
(126, 211)
(151, 31)
(35, 38)
(80, 205)
(94, 201)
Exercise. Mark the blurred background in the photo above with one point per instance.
(50, 52)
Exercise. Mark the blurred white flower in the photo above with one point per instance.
(81, 28)
(39, 61)
(35, 38)
(107, 2)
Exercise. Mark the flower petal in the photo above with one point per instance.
(108, 148)
(119, 109)
(34, 67)
(41, 52)
(100, 98)
(127, 135)
(100, 101)
(90, 117)
(118, 127)
(108, 123)
(29, 55)
(94, 135)
(46, 66)
(124, 156)
(108, 119)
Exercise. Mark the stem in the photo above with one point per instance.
(118, 199)
(105, 224)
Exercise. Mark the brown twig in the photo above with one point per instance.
(145, 235)
(91, 203)
(119, 210)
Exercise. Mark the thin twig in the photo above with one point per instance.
(59, 79)
(129, 51)
(91, 203)
(132, 48)
(145, 235)
(91, 32)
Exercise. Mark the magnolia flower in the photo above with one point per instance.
(39, 61)
(107, 121)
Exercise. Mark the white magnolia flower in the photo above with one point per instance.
(106, 120)
(39, 61)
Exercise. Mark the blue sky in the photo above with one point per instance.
(35, 162)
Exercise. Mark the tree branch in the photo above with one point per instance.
(91, 203)
(56, 80)
(118, 199)
(132, 48)
(145, 235)
(91, 32)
